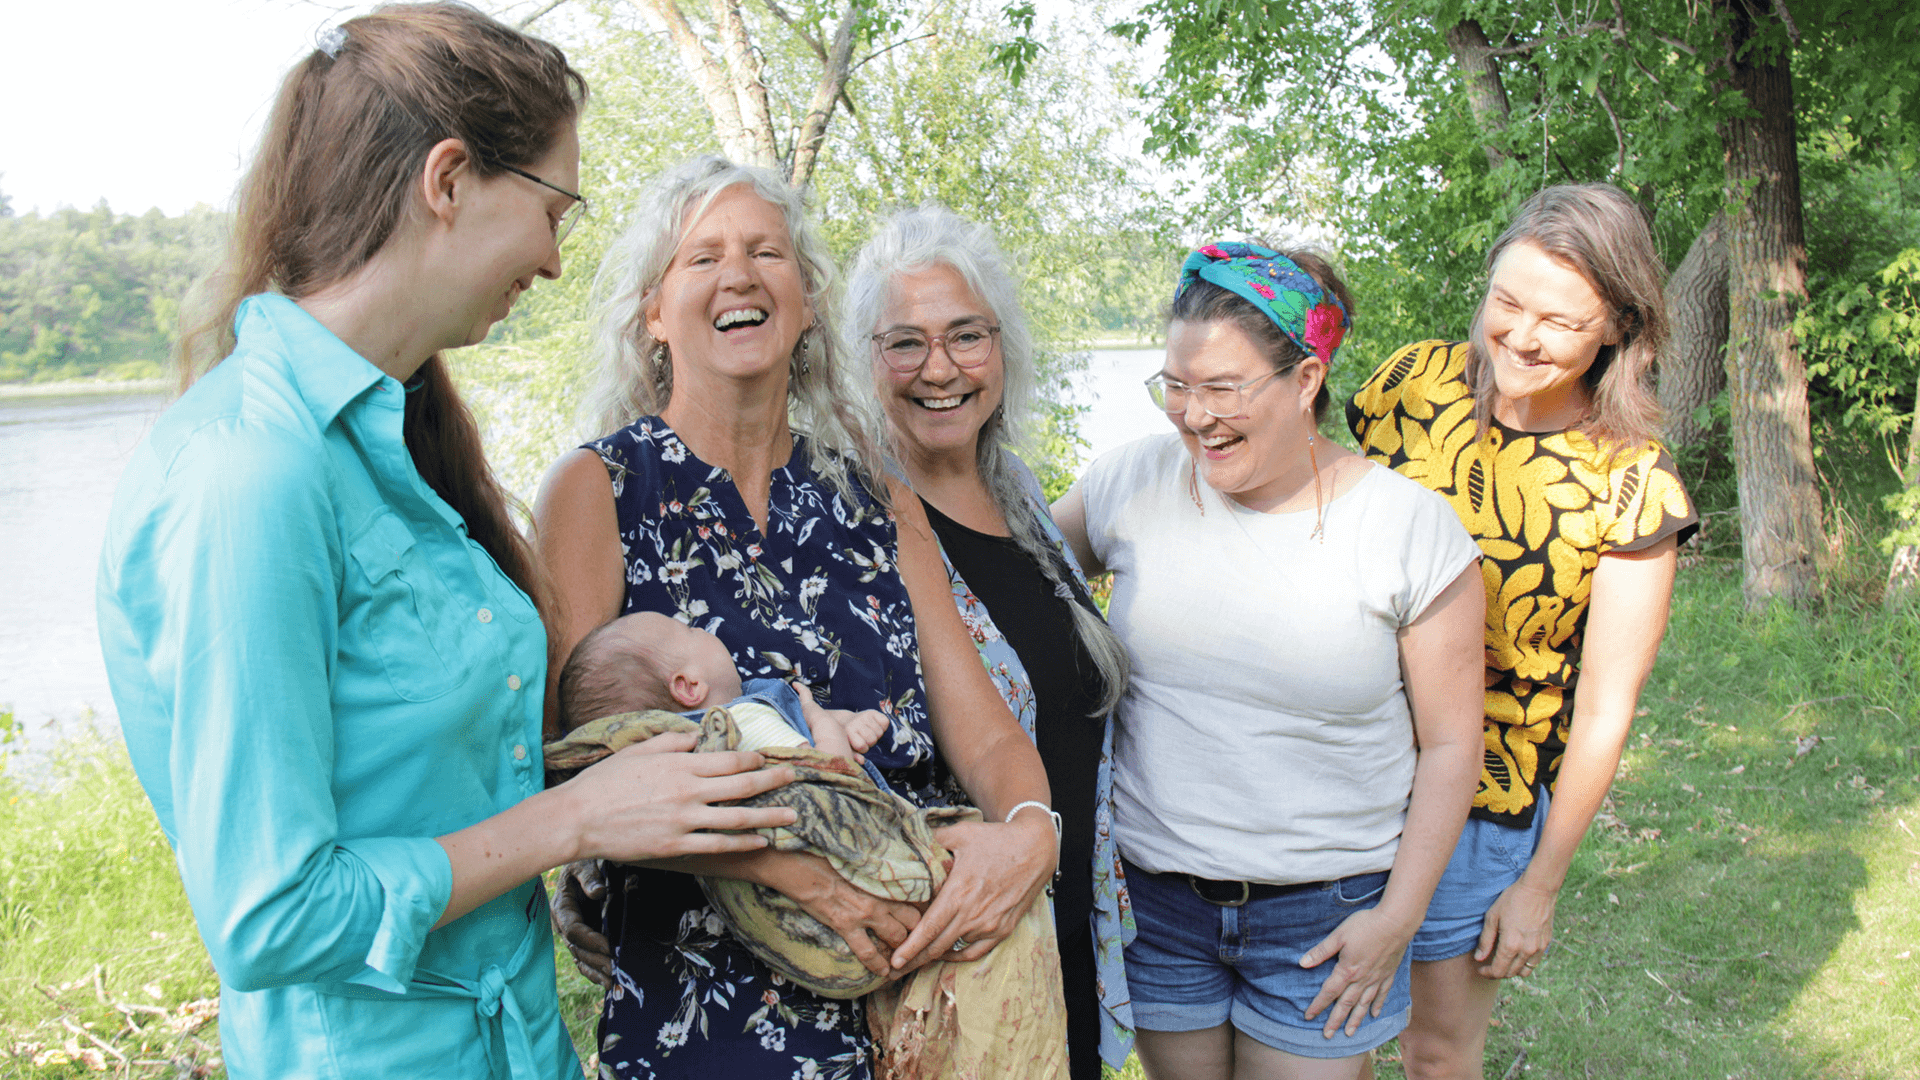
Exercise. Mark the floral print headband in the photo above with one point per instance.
(1312, 316)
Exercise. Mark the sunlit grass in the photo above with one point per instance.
(100, 964)
(1741, 910)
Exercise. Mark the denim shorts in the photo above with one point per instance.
(1485, 862)
(1197, 965)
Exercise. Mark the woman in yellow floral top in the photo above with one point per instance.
(1541, 432)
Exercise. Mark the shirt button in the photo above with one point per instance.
(520, 753)
(513, 682)
(486, 615)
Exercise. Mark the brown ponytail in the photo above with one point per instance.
(333, 179)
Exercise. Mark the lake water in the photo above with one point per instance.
(60, 458)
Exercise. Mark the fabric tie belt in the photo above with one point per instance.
(493, 1001)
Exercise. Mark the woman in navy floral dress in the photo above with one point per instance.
(707, 506)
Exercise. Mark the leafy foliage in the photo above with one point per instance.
(1863, 341)
(932, 120)
(92, 293)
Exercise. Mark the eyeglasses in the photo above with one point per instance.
(1222, 399)
(570, 217)
(968, 345)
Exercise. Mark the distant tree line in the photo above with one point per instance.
(96, 294)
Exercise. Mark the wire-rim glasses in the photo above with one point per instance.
(968, 345)
(570, 217)
(1222, 399)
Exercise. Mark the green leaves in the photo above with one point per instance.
(91, 293)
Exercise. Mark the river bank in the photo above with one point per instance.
(84, 388)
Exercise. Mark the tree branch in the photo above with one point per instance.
(1793, 32)
(1528, 46)
(780, 13)
(1674, 43)
(537, 14)
(1619, 136)
(744, 78)
(882, 52)
(836, 65)
(722, 105)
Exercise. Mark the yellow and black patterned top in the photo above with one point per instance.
(1544, 508)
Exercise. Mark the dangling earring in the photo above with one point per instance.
(802, 355)
(660, 356)
(1319, 507)
(1193, 486)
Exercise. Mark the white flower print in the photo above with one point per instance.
(771, 1037)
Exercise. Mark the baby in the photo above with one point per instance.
(652, 661)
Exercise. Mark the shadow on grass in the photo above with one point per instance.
(1739, 909)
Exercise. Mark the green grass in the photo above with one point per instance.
(100, 964)
(1739, 911)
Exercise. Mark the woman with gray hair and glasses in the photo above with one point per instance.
(933, 303)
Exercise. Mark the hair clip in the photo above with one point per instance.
(331, 41)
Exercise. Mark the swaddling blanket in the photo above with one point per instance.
(1002, 1015)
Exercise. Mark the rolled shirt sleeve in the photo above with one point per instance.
(229, 583)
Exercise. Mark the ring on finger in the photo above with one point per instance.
(960, 945)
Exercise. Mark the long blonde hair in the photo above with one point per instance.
(635, 372)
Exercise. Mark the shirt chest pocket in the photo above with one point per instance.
(406, 613)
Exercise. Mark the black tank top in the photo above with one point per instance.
(1066, 687)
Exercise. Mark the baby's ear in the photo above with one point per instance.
(688, 690)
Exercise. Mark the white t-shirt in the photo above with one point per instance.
(1266, 735)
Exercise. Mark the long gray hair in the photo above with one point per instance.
(915, 240)
(635, 375)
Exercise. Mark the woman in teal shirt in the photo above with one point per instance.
(315, 610)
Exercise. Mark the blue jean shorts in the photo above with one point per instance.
(1196, 965)
(1485, 862)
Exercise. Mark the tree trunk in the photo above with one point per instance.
(835, 64)
(745, 75)
(1767, 278)
(1693, 371)
(1903, 578)
(1486, 94)
(716, 89)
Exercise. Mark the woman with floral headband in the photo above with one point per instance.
(1540, 430)
(1271, 589)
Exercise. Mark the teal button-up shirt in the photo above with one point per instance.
(317, 672)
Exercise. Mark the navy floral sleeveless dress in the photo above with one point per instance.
(817, 599)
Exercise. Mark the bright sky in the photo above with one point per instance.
(148, 103)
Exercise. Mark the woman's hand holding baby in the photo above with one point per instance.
(998, 870)
(858, 916)
(654, 800)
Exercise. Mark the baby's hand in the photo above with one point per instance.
(865, 728)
